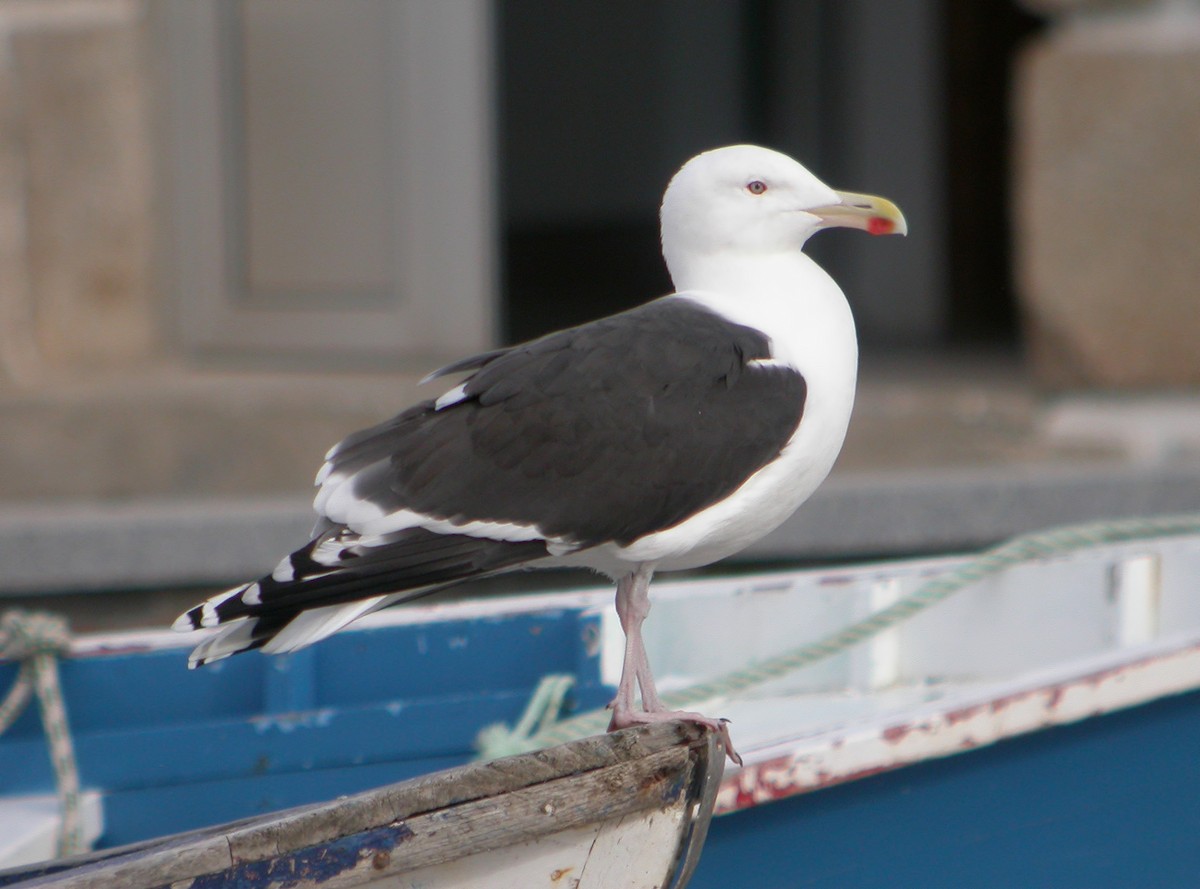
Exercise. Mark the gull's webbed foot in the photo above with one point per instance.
(624, 718)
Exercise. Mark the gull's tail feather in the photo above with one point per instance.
(338, 578)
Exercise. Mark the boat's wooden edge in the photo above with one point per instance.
(560, 787)
(706, 784)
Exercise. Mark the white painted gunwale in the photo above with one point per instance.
(1044, 644)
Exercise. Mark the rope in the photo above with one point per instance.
(497, 740)
(35, 640)
(1017, 551)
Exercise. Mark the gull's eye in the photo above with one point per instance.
(757, 187)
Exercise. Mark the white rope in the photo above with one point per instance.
(35, 639)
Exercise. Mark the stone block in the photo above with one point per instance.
(1107, 182)
(76, 208)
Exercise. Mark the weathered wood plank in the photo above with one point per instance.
(139, 868)
(625, 853)
(421, 823)
(312, 824)
(651, 784)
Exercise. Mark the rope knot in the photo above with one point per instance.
(24, 634)
(542, 712)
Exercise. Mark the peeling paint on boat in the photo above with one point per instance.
(289, 722)
(953, 727)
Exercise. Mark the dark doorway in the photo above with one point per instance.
(601, 100)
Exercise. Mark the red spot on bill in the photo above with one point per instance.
(878, 225)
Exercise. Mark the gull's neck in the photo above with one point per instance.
(756, 277)
(785, 294)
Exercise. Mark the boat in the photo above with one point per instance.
(1028, 716)
(625, 809)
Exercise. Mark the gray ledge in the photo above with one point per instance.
(923, 512)
(147, 544)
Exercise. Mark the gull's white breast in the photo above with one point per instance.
(806, 316)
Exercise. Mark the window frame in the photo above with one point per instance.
(444, 294)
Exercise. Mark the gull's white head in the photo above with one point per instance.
(753, 200)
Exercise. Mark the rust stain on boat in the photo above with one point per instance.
(850, 754)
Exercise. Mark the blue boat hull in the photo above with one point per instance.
(1113, 801)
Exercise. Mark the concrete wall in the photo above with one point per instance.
(1108, 179)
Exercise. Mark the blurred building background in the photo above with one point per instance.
(231, 231)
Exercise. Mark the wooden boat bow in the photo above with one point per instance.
(628, 809)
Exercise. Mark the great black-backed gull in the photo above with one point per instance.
(665, 437)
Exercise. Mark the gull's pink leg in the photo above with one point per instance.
(624, 701)
(633, 605)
